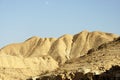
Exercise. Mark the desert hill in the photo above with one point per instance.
(37, 55)
(65, 47)
(100, 63)
(97, 59)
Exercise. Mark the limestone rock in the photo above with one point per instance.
(36, 55)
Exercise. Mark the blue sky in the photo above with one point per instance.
(21, 19)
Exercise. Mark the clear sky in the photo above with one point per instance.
(21, 19)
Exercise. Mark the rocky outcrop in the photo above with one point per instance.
(112, 74)
(37, 55)
(64, 48)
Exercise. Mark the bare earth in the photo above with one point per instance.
(84, 52)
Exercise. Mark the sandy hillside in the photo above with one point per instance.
(37, 55)
(100, 63)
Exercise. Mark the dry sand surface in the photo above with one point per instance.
(84, 52)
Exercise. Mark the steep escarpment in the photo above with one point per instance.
(97, 60)
(60, 50)
(34, 46)
(102, 63)
(87, 40)
(65, 47)
(37, 55)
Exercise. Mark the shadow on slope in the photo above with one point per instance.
(111, 74)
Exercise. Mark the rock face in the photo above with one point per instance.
(37, 55)
(112, 74)
(101, 64)
(98, 60)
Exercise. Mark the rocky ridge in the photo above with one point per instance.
(37, 55)
(102, 63)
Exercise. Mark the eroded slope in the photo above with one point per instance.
(39, 55)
